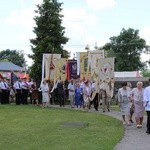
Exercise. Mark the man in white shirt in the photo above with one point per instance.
(71, 89)
(18, 90)
(146, 100)
(25, 90)
(4, 87)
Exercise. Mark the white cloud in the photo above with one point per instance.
(145, 33)
(100, 4)
(78, 23)
(37, 1)
(23, 18)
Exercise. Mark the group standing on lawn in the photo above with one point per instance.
(82, 93)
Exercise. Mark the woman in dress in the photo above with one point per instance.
(124, 103)
(45, 94)
(78, 95)
(86, 96)
(129, 86)
(137, 96)
(34, 93)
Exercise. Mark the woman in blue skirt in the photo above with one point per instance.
(78, 95)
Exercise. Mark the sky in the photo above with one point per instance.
(86, 22)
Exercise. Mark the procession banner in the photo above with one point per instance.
(93, 58)
(106, 69)
(73, 69)
(84, 65)
(106, 75)
(61, 69)
(50, 65)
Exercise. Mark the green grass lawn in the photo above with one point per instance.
(35, 128)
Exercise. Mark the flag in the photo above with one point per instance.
(13, 78)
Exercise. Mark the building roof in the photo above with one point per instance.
(9, 66)
(126, 74)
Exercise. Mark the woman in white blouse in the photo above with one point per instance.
(137, 97)
(86, 95)
(124, 103)
(45, 94)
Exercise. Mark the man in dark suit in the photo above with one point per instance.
(25, 91)
(60, 92)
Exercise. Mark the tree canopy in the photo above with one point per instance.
(50, 35)
(126, 48)
(13, 56)
(145, 73)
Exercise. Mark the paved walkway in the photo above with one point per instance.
(134, 138)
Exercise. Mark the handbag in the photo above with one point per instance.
(131, 107)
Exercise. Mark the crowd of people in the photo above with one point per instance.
(18, 92)
(134, 100)
(80, 94)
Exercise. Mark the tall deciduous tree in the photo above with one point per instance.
(50, 36)
(126, 48)
(145, 73)
(13, 56)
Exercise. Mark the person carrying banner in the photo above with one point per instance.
(95, 94)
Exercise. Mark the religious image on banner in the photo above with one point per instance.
(50, 65)
(93, 59)
(106, 68)
(106, 75)
(61, 69)
(84, 65)
(73, 69)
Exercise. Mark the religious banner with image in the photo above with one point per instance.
(93, 59)
(106, 69)
(73, 69)
(84, 65)
(61, 69)
(49, 64)
(106, 75)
